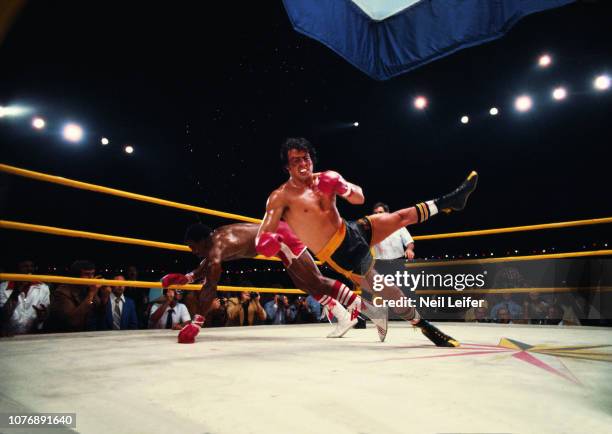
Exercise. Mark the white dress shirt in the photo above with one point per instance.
(24, 316)
(180, 315)
(394, 246)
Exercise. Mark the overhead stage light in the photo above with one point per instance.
(602, 82)
(420, 102)
(493, 111)
(544, 61)
(72, 132)
(465, 119)
(104, 141)
(38, 123)
(355, 124)
(13, 110)
(559, 93)
(129, 149)
(523, 103)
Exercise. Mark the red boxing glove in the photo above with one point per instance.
(331, 182)
(269, 244)
(188, 333)
(176, 279)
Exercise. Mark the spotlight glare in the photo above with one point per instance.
(559, 93)
(72, 132)
(523, 103)
(12, 110)
(420, 102)
(104, 141)
(602, 82)
(493, 111)
(38, 123)
(544, 61)
(355, 124)
(129, 149)
(465, 119)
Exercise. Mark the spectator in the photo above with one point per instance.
(217, 314)
(119, 312)
(554, 315)
(503, 316)
(514, 309)
(478, 314)
(315, 307)
(279, 311)
(535, 309)
(23, 305)
(397, 245)
(140, 296)
(245, 309)
(303, 313)
(74, 308)
(168, 313)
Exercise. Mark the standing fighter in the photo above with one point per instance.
(237, 241)
(307, 202)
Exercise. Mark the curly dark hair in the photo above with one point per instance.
(197, 232)
(299, 143)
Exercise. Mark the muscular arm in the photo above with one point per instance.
(275, 207)
(212, 275)
(199, 272)
(356, 197)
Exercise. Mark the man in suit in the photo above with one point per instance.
(119, 312)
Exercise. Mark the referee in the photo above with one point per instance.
(397, 245)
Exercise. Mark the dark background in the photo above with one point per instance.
(207, 93)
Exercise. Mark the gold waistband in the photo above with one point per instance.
(334, 242)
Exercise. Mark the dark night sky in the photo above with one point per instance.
(207, 96)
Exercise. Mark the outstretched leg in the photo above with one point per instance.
(385, 224)
(333, 294)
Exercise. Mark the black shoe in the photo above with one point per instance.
(435, 335)
(456, 200)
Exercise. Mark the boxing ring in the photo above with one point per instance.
(291, 379)
(504, 378)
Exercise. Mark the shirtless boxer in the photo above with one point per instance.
(307, 202)
(237, 241)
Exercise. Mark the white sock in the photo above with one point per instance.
(433, 209)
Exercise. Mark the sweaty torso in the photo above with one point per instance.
(312, 215)
(234, 241)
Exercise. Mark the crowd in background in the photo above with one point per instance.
(36, 307)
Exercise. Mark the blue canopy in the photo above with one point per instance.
(385, 38)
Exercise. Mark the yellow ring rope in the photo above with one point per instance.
(510, 259)
(126, 194)
(121, 193)
(133, 283)
(7, 224)
(514, 229)
(224, 288)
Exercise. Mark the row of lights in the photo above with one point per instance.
(71, 132)
(523, 103)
